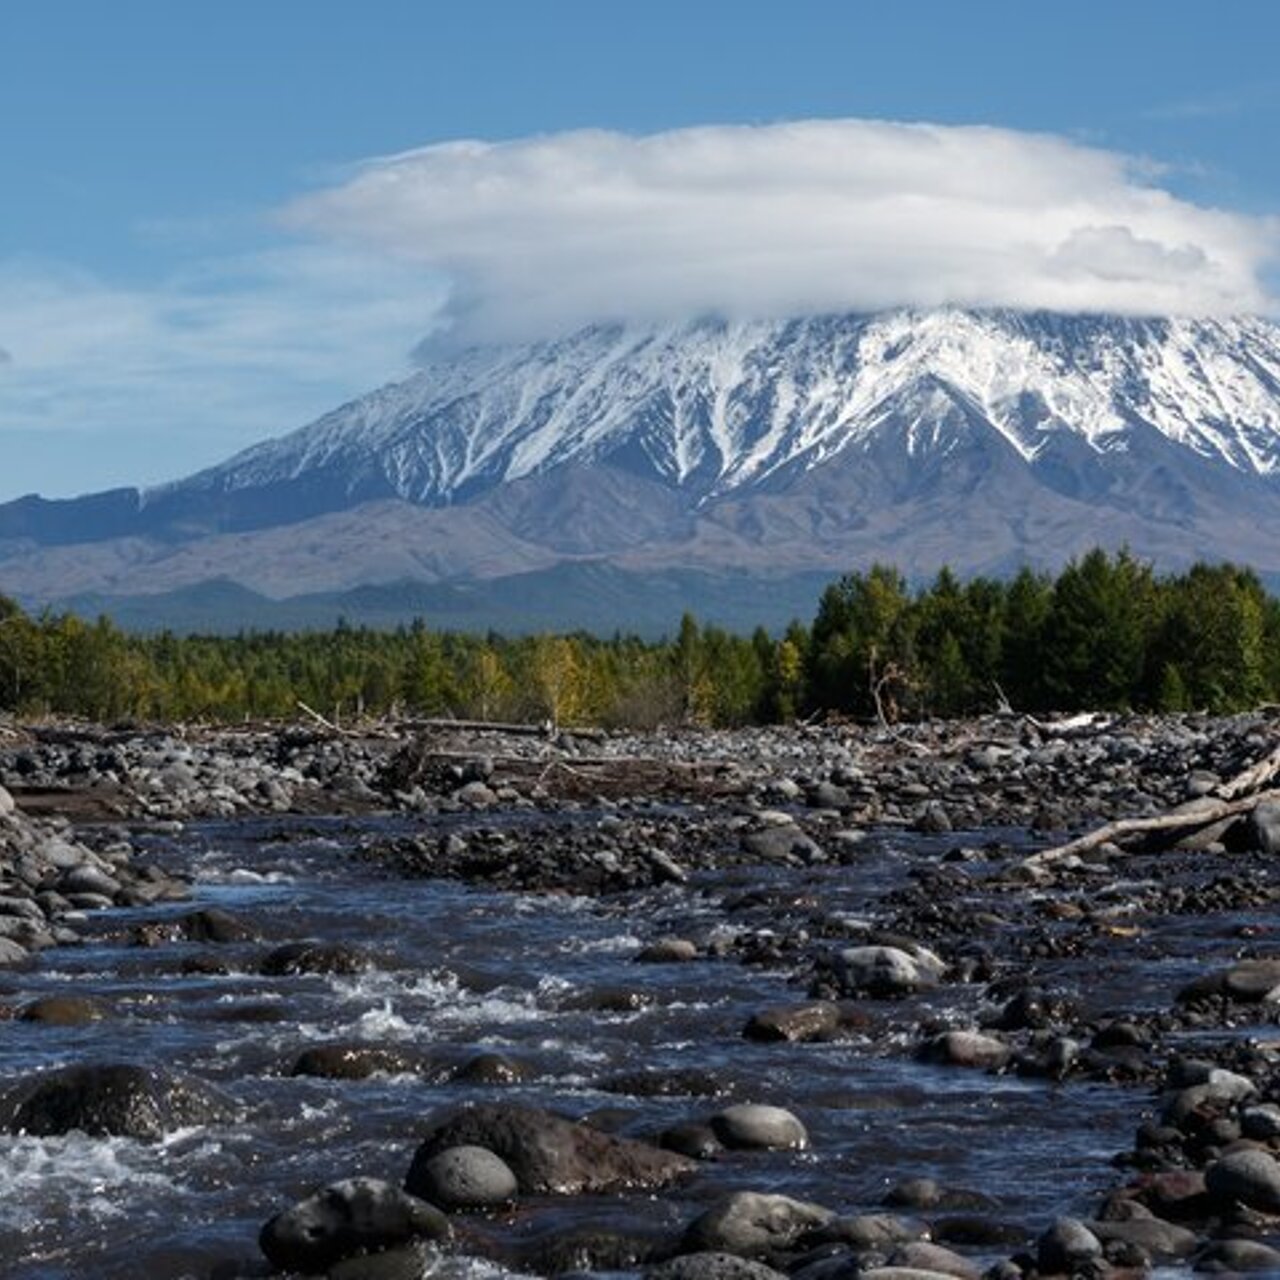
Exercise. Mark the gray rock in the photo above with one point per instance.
(64, 1011)
(748, 1223)
(1264, 827)
(1233, 1256)
(355, 1061)
(25, 908)
(933, 819)
(491, 1068)
(551, 1155)
(781, 843)
(7, 805)
(1252, 980)
(967, 1049)
(1066, 1247)
(466, 1178)
(295, 958)
(668, 951)
(477, 795)
(920, 1255)
(866, 1231)
(795, 1022)
(753, 1127)
(900, 1273)
(1161, 1241)
(354, 1216)
(887, 971)
(89, 879)
(12, 952)
(1261, 1123)
(712, 1266)
(1251, 1178)
(125, 1101)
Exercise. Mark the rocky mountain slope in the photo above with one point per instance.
(979, 439)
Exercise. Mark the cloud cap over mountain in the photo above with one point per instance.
(545, 233)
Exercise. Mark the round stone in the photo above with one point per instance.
(466, 1177)
(752, 1126)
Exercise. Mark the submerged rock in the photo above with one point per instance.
(121, 1100)
(550, 1154)
(354, 1216)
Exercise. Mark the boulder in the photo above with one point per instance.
(355, 1061)
(1066, 1247)
(868, 1231)
(813, 1020)
(1250, 1178)
(121, 1100)
(64, 1011)
(886, 972)
(920, 1255)
(1234, 1257)
(752, 1127)
(295, 958)
(550, 1154)
(966, 1049)
(491, 1068)
(747, 1223)
(1264, 827)
(668, 951)
(1161, 1241)
(466, 1178)
(358, 1215)
(712, 1266)
(781, 842)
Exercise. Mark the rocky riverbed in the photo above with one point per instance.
(425, 1000)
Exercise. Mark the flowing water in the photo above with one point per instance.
(463, 971)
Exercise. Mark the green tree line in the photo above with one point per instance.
(1107, 632)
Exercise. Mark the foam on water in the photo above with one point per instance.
(77, 1176)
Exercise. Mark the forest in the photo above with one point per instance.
(1106, 633)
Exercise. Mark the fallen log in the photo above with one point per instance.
(1255, 776)
(1188, 817)
(544, 729)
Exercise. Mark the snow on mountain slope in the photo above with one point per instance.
(716, 408)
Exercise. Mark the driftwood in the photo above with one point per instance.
(320, 720)
(543, 730)
(1252, 778)
(1192, 816)
(1229, 799)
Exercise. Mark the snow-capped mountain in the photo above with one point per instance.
(714, 408)
(978, 439)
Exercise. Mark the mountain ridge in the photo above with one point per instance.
(975, 438)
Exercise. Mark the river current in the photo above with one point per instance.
(464, 971)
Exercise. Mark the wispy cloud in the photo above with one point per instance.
(546, 232)
(230, 349)
(1216, 104)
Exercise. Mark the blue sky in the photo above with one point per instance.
(171, 288)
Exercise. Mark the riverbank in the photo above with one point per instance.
(970, 1057)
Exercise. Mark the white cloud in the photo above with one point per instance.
(104, 383)
(230, 350)
(547, 232)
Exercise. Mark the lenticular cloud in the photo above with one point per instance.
(544, 233)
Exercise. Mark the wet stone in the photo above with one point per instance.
(64, 1011)
(754, 1127)
(748, 1223)
(353, 1216)
(125, 1101)
(466, 1177)
(355, 1061)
